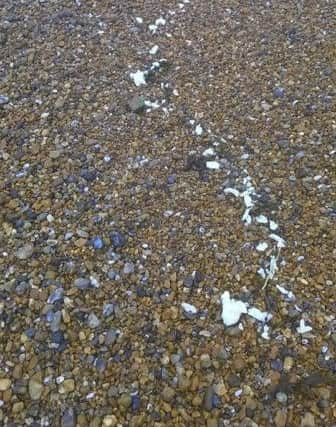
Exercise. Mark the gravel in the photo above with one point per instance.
(128, 211)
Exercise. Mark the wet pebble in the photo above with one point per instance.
(4, 100)
(97, 243)
(82, 283)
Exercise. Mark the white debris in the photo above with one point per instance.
(284, 291)
(261, 316)
(280, 241)
(246, 218)
(139, 20)
(265, 332)
(151, 104)
(261, 219)
(303, 328)
(212, 165)
(233, 191)
(139, 77)
(262, 273)
(209, 152)
(273, 268)
(231, 309)
(198, 130)
(261, 247)
(273, 225)
(153, 27)
(154, 50)
(188, 308)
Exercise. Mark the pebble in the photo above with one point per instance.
(168, 394)
(82, 283)
(25, 252)
(128, 268)
(67, 386)
(205, 361)
(5, 384)
(117, 239)
(280, 418)
(279, 92)
(125, 401)
(308, 420)
(208, 398)
(35, 389)
(282, 397)
(97, 243)
(93, 321)
(4, 99)
(69, 418)
(136, 104)
(288, 363)
(110, 421)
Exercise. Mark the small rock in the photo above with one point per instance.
(212, 422)
(67, 386)
(238, 363)
(168, 394)
(308, 420)
(93, 321)
(25, 252)
(82, 283)
(97, 243)
(35, 389)
(117, 239)
(110, 421)
(279, 92)
(208, 398)
(125, 401)
(205, 361)
(69, 418)
(136, 104)
(281, 397)
(5, 384)
(88, 174)
(280, 418)
(128, 268)
(288, 363)
(4, 99)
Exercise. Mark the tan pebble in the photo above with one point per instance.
(238, 364)
(80, 243)
(280, 418)
(17, 372)
(288, 363)
(96, 422)
(5, 383)
(67, 386)
(168, 394)
(308, 420)
(125, 401)
(110, 421)
(212, 422)
(35, 389)
(205, 361)
(197, 401)
(18, 407)
(81, 421)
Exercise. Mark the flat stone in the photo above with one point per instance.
(35, 389)
(168, 394)
(280, 418)
(67, 386)
(308, 420)
(5, 384)
(136, 104)
(110, 421)
(25, 252)
(69, 418)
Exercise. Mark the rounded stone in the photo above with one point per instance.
(5, 384)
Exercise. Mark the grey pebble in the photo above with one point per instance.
(69, 418)
(25, 252)
(128, 268)
(82, 283)
(93, 321)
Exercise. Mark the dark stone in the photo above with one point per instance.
(136, 402)
(117, 239)
(88, 174)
